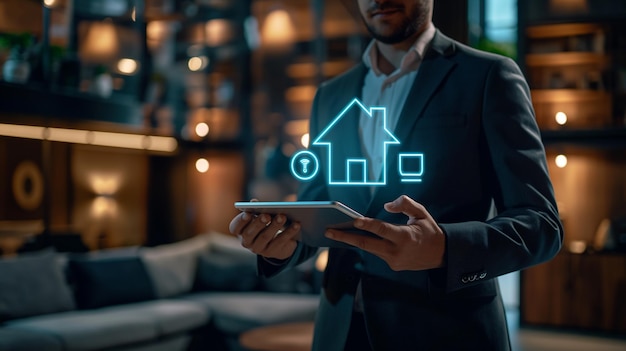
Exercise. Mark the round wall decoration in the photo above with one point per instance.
(28, 185)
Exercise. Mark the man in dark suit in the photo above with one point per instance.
(484, 206)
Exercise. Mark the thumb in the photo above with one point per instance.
(407, 206)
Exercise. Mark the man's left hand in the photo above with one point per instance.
(418, 245)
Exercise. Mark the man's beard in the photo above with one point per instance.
(408, 28)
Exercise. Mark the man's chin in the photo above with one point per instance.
(388, 34)
(389, 38)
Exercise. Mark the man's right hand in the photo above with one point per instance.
(262, 234)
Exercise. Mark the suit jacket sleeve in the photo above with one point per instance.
(527, 229)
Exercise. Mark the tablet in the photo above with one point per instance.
(314, 216)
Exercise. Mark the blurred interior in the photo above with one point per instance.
(129, 122)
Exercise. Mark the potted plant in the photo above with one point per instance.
(16, 68)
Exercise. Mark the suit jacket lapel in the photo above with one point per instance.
(432, 72)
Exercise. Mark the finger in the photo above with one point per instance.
(239, 222)
(252, 230)
(289, 234)
(407, 206)
(266, 235)
(382, 229)
(286, 239)
(372, 245)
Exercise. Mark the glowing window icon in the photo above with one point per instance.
(411, 166)
(304, 165)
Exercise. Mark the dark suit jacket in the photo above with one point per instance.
(470, 113)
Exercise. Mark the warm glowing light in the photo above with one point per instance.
(133, 14)
(127, 66)
(297, 127)
(577, 246)
(156, 32)
(305, 140)
(197, 63)
(278, 29)
(104, 207)
(302, 93)
(202, 129)
(288, 149)
(159, 143)
(321, 261)
(101, 42)
(78, 136)
(202, 165)
(569, 6)
(49, 3)
(105, 184)
(66, 135)
(218, 31)
(561, 118)
(561, 161)
(28, 132)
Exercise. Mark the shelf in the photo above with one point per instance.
(561, 59)
(570, 95)
(561, 30)
(30, 100)
(611, 137)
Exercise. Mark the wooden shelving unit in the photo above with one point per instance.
(572, 62)
(577, 291)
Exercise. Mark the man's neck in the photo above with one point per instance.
(390, 56)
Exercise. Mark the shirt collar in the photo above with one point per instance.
(370, 56)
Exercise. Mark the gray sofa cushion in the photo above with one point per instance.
(91, 329)
(169, 316)
(223, 271)
(33, 284)
(237, 312)
(116, 326)
(226, 266)
(108, 279)
(176, 343)
(172, 267)
(21, 340)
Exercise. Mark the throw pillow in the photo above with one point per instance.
(172, 267)
(116, 277)
(33, 284)
(218, 271)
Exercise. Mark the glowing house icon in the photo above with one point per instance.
(355, 170)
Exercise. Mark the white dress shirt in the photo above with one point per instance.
(389, 91)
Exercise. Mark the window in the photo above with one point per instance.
(493, 26)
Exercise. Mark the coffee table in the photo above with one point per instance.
(279, 337)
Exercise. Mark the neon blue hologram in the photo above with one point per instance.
(350, 162)
(411, 175)
(371, 112)
(307, 162)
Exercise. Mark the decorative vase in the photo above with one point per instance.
(16, 70)
(102, 85)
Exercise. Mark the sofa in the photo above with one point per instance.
(200, 293)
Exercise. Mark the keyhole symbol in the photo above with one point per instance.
(305, 163)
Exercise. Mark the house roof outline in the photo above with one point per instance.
(319, 141)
